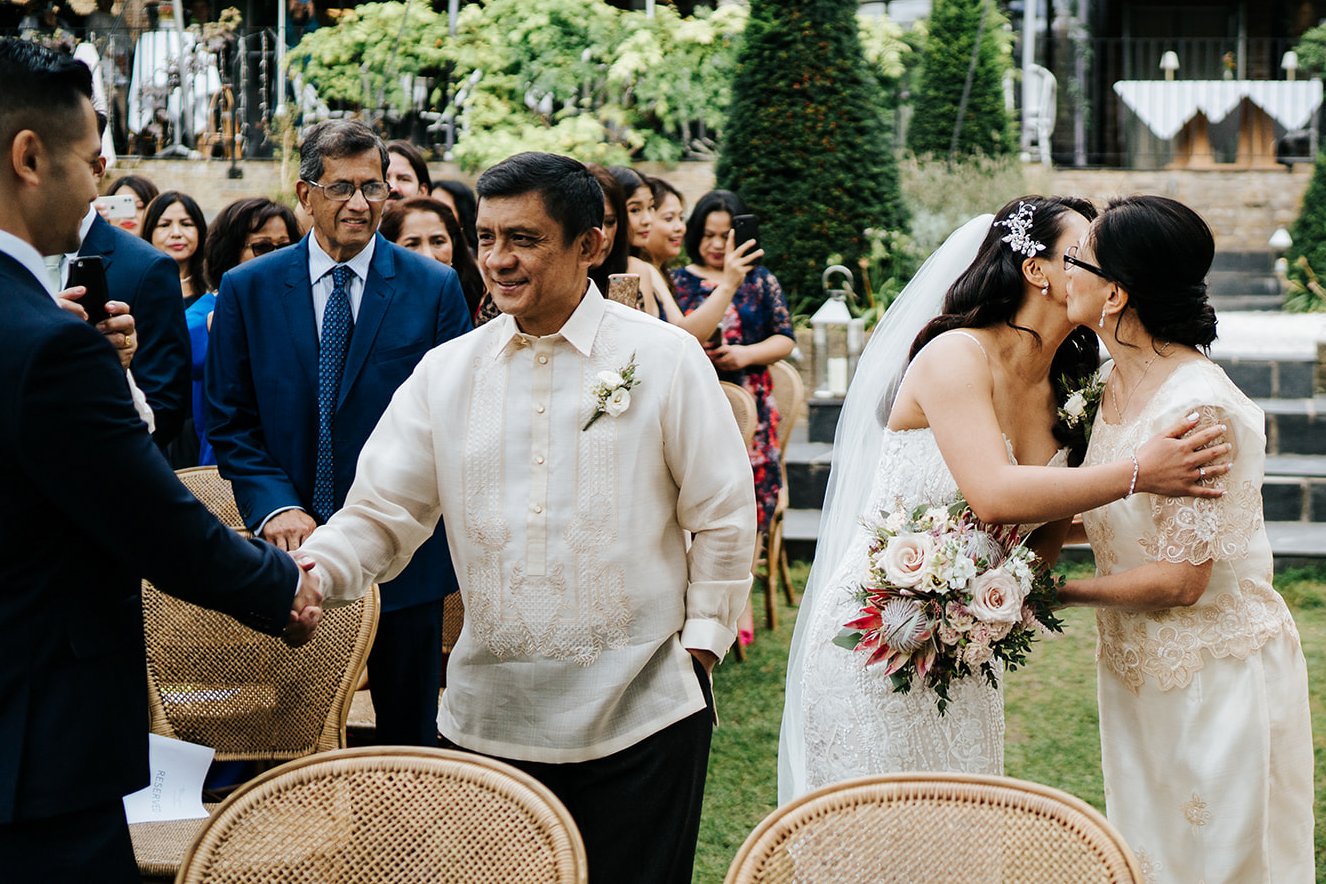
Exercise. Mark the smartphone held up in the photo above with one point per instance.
(89, 273)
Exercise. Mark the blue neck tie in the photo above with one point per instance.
(337, 325)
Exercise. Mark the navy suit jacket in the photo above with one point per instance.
(89, 507)
(148, 280)
(261, 382)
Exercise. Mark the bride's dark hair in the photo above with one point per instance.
(991, 290)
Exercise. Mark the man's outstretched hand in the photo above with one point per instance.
(306, 610)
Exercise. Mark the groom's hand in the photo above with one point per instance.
(707, 658)
(306, 609)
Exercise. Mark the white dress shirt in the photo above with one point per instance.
(570, 544)
(320, 266)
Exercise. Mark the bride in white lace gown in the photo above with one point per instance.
(979, 397)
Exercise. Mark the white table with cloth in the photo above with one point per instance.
(1204, 122)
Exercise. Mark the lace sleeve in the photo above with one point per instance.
(1197, 530)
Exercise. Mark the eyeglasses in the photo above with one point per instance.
(343, 191)
(265, 246)
(1070, 257)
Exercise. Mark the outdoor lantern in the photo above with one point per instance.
(1169, 63)
(839, 338)
(1290, 64)
(1280, 242)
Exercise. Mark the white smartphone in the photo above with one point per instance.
(117, 206)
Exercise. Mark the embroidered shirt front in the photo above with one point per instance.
(580, 593)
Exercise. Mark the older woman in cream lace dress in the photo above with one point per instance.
(1205, 733)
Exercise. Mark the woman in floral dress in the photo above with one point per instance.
(755, 331)
(1206, 739)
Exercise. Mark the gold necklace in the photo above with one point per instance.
(1114, 389)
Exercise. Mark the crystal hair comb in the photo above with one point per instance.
(1018, 224)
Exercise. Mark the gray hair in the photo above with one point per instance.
(336, 139)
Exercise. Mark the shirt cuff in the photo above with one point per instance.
(263, 524)
(707, 635)
(140, 403)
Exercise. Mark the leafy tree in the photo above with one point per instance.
(807, 143)
(983, 123)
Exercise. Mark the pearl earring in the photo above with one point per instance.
(1045, 290)
(1102, 317)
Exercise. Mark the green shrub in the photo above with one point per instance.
(941, 196)
(807, 143)
(1308, 253)
(986, 127)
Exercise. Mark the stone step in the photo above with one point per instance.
(1293, 543)
(1238, 282)
(1244, 303)
(1295, 426)
(1229, 261)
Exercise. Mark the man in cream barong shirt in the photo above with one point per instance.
(590, 627)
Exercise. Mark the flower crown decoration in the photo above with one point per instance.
(1018, 224)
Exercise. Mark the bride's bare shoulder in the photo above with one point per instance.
(956, 352)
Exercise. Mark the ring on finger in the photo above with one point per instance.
(1201, 473)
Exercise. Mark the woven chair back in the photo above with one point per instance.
(389, 813)
(743, 409)
(789, 392)
(214, 492)
(214, 681)
(935, 827)
(453, 618)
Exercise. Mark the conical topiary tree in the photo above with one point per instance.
(807, 145)
(948, 73)
(1307, 256)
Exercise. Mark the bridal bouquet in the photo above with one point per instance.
(945, 596)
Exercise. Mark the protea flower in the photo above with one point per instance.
(892, 633)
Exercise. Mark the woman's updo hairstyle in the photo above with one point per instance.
(991, 291)
(1159, 251)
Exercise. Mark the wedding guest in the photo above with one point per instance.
(616, 255)
(639, 199)
(1206, 738)
(428, 227)
(407, 173)
(754, 331)
(668, 231)
(74, 548)
(244, 230)
(462, 203)
(309, 344)
(143, 190)
(175, 224)
(591, 628)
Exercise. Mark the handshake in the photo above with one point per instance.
(306, 609)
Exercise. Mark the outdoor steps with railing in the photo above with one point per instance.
(1294, 491)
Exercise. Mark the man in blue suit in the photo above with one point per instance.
(88, 507)
(308, 345)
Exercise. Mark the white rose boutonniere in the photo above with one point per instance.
(612, 393)
(1080, 407)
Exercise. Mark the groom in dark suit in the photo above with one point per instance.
(308, 345)
(88, 507)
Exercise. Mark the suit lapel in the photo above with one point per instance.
(379, 289)
(100, 241)
(297, 305)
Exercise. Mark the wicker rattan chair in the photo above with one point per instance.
(789, 393)
(208, 486)
(935, 827)
(389, 814)
(215, 682)
(743, 409)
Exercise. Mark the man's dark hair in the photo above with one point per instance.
(571, 195)
(337, 139)
(38, 88)
(415, 158)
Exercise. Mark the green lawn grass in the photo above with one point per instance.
(1050, 706)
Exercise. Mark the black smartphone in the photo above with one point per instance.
(89, 273)
(715, 339)
(746, 227)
